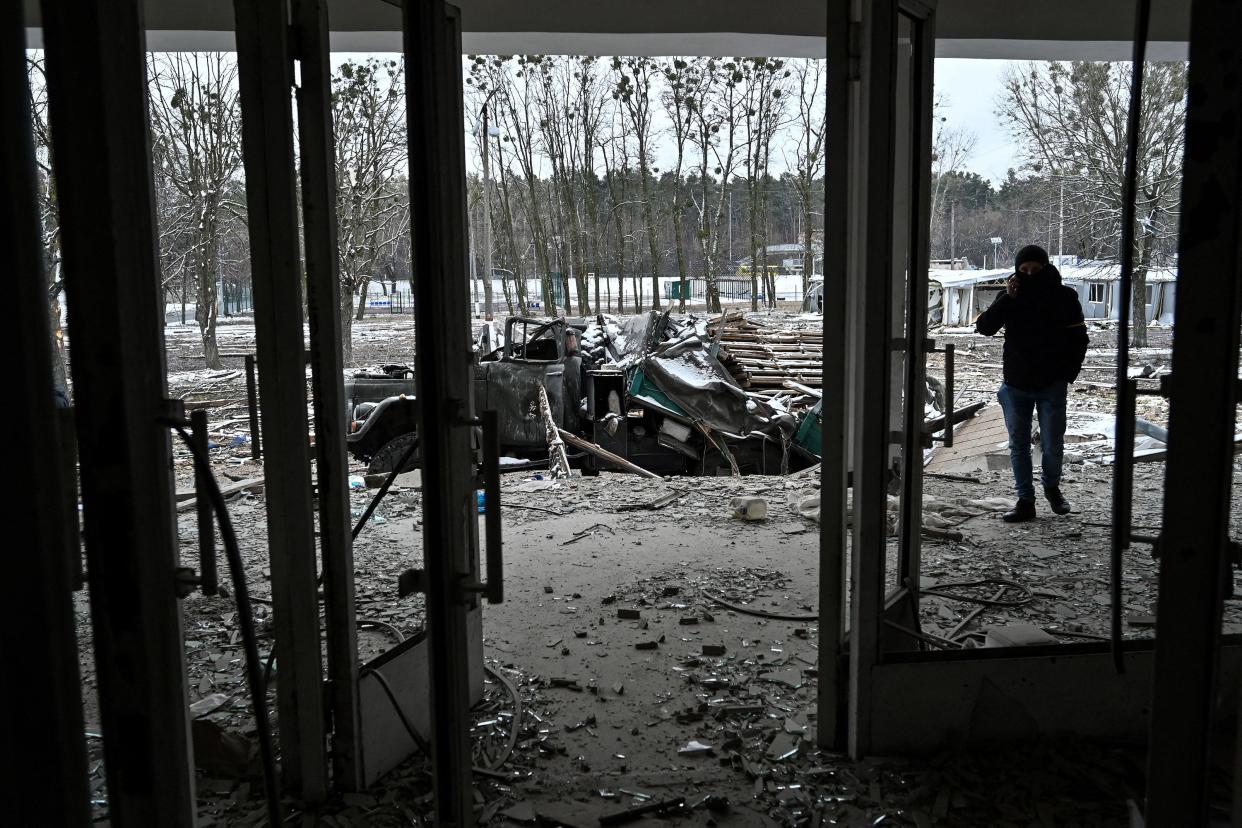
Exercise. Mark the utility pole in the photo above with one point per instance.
(487, 218)
(1061, 230)
(952, 234)
(474, 278)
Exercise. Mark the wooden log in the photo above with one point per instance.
(603, 453)
(959, 414)
(803, 388)
(185, 497)
(558, 462)
(941, 534)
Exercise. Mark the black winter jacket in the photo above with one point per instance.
(1045, 336)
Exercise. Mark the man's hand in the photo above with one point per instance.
(1011, 286)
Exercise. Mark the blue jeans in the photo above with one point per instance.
(1017, 404)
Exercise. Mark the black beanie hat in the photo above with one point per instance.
(1031, 253)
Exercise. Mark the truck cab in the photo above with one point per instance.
(381, 407)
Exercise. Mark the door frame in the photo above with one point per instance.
(431, 44)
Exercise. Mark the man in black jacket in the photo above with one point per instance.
(1045, 342)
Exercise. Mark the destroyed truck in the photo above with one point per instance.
(643, 389)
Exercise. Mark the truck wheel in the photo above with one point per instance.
(389, 454)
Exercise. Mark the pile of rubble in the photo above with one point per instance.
(762, 353)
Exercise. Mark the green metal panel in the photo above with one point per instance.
(810, 431)
(644, 390)
(673, 290)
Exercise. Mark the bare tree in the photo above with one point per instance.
(762, 104)
(560, 115)
(592, 95)
(952, 147)
(368, 115)
(196, 148)
(49, 214)
(615, 151)
(1072, 119)
(514, 254)
(679, 93)
(636, 78)
(517, 82)
(809, 151)
(557, 113)
(715, 135)
(488, 76)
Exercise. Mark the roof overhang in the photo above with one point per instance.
(1003, 29)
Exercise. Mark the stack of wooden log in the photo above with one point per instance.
(766, 356)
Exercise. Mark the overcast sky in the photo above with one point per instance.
(970, 89)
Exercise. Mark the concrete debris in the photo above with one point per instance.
(604, 724)
(1016, 635)
(695, 748)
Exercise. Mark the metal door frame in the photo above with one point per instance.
(1197, 556)
(863, 118)
(97, 95)
(431, 44)
(43, 732)
(913, 700)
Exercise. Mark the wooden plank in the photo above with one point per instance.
(185, 497)
(803, 388)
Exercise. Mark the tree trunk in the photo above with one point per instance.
(1138, 303)
(545, 277)
(652, 246)
(207, 309)
(620, 261)
(507, 291)
(754, 251)
(808, 256)
(576, 254)
(52, 263)
(363, 286)
(580, 279)
(620, 231)
(347, 319)
(565, 285)
(57, 343)
(681, 252)
(511, 240)
(595, 237)
(541, 243)
(709, 271)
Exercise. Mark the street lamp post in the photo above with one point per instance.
(487, 218)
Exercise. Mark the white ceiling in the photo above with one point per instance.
(1014, 29)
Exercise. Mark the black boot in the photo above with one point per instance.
(1056, 500)
(1024, 509)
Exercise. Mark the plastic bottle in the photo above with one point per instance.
(749, 508)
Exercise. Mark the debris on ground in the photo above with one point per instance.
(603, 724)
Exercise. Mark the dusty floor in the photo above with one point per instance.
(606, 723)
